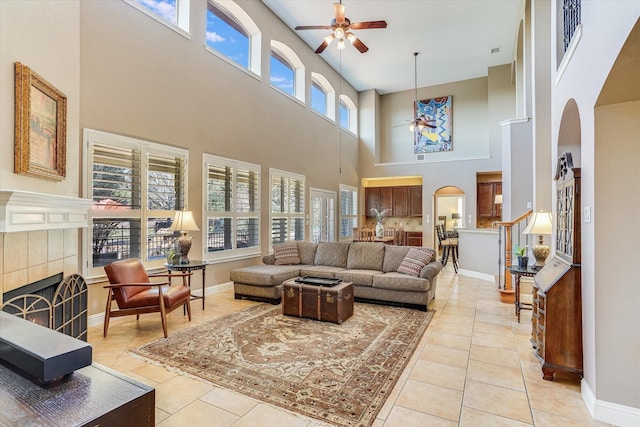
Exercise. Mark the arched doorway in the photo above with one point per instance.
(448, 210)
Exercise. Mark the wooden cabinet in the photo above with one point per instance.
(413, 238)
(486, 194)
(401, 201)
(415, 200)
(379, 198)
(556, 323)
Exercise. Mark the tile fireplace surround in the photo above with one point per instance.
(38, 236)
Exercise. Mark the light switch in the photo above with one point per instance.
(587, 214)
(529, 205)
(428, 217)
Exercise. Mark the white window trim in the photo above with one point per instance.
(344, 187)
(182, 16)
(330, 93)
(90, 137)
(353, 113)
(233, 254)
(298, 69)
(284, 174)
(255, 36)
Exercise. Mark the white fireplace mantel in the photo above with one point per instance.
(28, 211)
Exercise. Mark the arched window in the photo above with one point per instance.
(172, 13)
(348, 114)
(286, 70)
(232, 34)
(323, 97)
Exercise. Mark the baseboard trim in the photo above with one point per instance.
(476, 275)
(98, 318)
(607, 412)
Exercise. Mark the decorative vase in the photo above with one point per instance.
(379, 230)
(523, 261)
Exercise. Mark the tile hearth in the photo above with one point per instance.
(474, 367)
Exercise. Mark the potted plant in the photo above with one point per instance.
(380, 214)
(521, 253)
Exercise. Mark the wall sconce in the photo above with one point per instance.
(184, 222)
(540, 225)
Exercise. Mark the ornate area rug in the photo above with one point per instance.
(341, 374)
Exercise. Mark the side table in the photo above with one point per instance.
(518, 273)
(192, 266)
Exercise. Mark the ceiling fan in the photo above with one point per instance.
(341, 28)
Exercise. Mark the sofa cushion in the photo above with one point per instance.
(326, 271)
(265, 275)
(358, 277)
(333, 254)
(415, 260)
(401, 282)
(365, 256)
(307, 252)
(286, 253)
(393, 256)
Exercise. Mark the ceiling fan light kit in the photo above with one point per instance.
(341, 27)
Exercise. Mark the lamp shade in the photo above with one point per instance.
(498, 199)
(183, 222)
(540, 224)
(455, 215)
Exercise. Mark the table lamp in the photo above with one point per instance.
(540, 224)
(456, 218)
(184, 222)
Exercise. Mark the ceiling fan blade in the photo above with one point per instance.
(368, 25)
(322, 47)
(314, 27)
(338, 9)
(357, 43)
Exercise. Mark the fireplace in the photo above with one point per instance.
(53, 302)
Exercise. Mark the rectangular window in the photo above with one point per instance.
(226, 35)
(287, 206)
(232, 210)
(348, 211)
(132, 183)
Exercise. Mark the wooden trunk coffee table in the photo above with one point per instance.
(320, 299)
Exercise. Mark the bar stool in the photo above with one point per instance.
(449, 247)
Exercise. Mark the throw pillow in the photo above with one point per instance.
(415, 259)
(286, 253)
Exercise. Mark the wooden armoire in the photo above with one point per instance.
(556, 322)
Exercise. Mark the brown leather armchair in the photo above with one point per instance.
(136, 294)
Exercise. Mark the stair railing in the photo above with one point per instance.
(509, 234)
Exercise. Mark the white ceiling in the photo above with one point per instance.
(454, 38)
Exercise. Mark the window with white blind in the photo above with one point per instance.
(136, 187)
(232, 208)
(348, 211)
(287, 206)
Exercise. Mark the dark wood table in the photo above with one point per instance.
(518, 273)
(192, 266)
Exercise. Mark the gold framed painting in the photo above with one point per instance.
(40, 126)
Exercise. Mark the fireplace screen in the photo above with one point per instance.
(56, 304)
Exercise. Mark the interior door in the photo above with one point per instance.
(323, 215)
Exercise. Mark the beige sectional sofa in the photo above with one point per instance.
(372, 267)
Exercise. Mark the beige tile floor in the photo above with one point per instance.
(474, 367)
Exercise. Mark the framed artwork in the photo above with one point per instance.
(438, 113)
(40, 126)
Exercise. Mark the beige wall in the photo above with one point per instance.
(608, 142)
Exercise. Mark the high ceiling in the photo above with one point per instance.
(454, 38)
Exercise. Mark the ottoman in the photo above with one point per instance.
(319, 302)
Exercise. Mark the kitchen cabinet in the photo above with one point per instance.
(413, 238)
(379, 198)
(486, 194)
(415, 200)
(400, 201)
